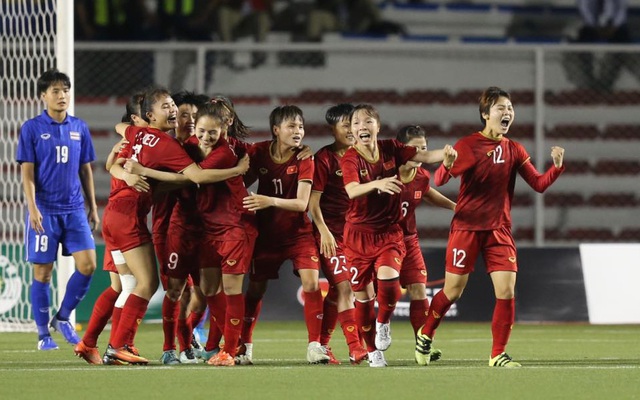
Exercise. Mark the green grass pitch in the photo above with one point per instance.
(560, 361)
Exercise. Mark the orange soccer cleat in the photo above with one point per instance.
(222, 359)
(89, 354)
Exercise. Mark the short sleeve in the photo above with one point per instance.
(321, 174)
(26, 151)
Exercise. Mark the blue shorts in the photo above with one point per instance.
(70, 230)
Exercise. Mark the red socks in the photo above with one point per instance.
(347, 320)
(170, 312)
(418, 310)
(233, 323)
(313, 314)
(329, 316)
(501, 324)
(389, 293)
(439, 307)
(102, 311)
(132, 314)
(252, 307)
(365, 318)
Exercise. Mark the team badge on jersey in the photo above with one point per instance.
(292, 170)
(389, 165)
(417, 194)
(263, 171)
(74, 135)
(314, 259)
(339, 172)
(423, 272)
(234, 321)
(364, 172)
(512, 259)
(397, 260)
(231, 263)
(45, 136)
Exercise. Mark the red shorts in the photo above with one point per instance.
(122, 226)
(268, 259)
(186, 254)
(233, 255)
(107, 262)
(414, 269)
(369, 251)
(335, 268)
(497, 247)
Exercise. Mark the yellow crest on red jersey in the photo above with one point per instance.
(234, 321)
(231, 262)
(314, 259)
(364, 172)
(512, 259)
(423, 272)
(263, 171)
(339, 172)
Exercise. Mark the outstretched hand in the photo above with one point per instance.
(391, 185)
(557, 154)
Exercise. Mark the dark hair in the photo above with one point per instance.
(186, 97)
(211, 110)
(337, 113)
(406, 133)
(50, 77)
(150, 97)
(283, 113)
(488, 98)
(368, 109)
(133, 107)
(237, 129)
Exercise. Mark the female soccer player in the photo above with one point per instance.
(154, 148)
(372, 237)
(415, 190)
(285, 232)
(328, 205)
(109, 304)
(487, 163)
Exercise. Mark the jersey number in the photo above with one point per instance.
(338, 268)
(62, 154)
(277, 186)
(42, 243)
(173, 261)
(405, 208)
(497, 155)
(458, 258)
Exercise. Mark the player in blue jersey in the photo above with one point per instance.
(55, 152)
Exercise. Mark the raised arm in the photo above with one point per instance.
(540, 182)
(137, 182)
(202, 176)
(134, 167)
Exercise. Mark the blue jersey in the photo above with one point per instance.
(57, 150)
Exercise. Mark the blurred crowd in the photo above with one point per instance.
(225, 20)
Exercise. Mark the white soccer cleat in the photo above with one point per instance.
(376, 359)
(316, 354)
(245, 355)
(188, 357)
(383, 336)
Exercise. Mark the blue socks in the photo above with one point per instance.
(40, 303)
(77, 288)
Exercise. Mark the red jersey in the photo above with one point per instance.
(220, 203)
(375, 211)
(327, 180)
(487, 170)
(276, 225)
(185, 213)
(155, 149)
(411, 197)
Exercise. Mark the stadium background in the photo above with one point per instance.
(432, 76)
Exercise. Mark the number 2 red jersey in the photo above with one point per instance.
(411, 197)
(327, 179)
(375, 211)
(276, 225)
(487, 170)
